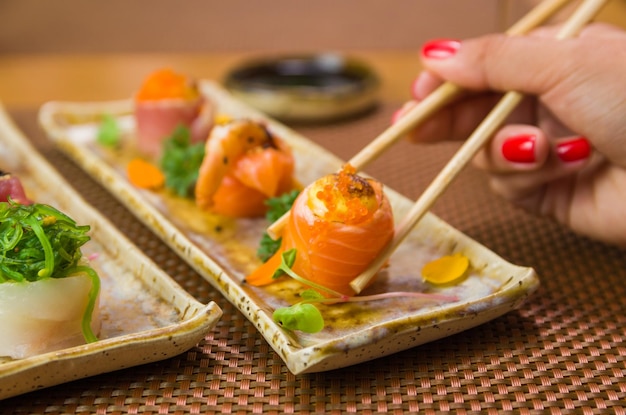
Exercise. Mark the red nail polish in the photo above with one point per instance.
(440, 48)
(573, 150)
(520, 149)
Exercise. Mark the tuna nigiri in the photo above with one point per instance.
(165, 101)
(244, 165)
(11, 188)
(338, 225)
(48, 294)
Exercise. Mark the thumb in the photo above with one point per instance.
(531, 65)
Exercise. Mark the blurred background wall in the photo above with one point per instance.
(205, 25)
(102, 49)
(75, 26)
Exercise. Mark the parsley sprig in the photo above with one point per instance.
(181, 161)
(277, 207)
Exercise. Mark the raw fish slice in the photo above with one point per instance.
(268, 170)
(166, 101)
(45, 315)
(244, 164)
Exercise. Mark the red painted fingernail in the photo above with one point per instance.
(573, 150)
(440, 48)
(520, 149)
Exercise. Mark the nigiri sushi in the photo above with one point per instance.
(48, 294)
(45, 315)
(165, 101)
(244, 165)
(338, 225)
(11, 187)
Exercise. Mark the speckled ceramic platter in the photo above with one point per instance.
(224, 251)
(146, 316)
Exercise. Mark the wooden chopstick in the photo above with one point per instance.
(439, 98)
(585, 12)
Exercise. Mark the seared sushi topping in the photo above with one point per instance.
(167, 84)
(344, 197)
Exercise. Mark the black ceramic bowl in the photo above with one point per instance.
(312, 88)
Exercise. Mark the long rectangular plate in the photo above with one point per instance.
(146, 316)
(224, 250)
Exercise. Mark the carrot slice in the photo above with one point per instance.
(263, 274)
(144, 174)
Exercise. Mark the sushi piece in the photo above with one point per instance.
(338, 225)
(11, 188)
(244, 165)
(45, 315)
(165, 101)
(48, 294)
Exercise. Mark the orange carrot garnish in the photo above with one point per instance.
(144, 175)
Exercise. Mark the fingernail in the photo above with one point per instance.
(573, 150)
(414, 87)
(396, 115)
(399, 113)
(440, 48)
(520, 149)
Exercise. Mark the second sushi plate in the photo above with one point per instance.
(146, 316)
(223, 250)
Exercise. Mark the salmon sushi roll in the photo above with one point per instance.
(337, 226)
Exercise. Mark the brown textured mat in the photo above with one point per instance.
(563, 352)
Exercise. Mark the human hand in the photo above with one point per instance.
(562, 153)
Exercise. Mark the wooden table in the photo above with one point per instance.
(562, 352)
(30, 80)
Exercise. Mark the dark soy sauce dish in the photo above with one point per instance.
(306, 88)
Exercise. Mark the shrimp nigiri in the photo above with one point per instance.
(243, 166)
(338, 225)
(166, 100)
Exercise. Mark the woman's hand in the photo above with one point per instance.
(562, 153)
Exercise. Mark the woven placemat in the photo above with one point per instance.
(562, 352)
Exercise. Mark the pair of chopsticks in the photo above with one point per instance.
(579, 18)
(442, 96)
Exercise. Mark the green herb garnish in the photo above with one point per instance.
(181, 161)
(304, 316)
(277, 207)
(109, 134)
(36, 242)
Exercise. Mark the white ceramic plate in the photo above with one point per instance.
(223, 251)
(146, 316)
